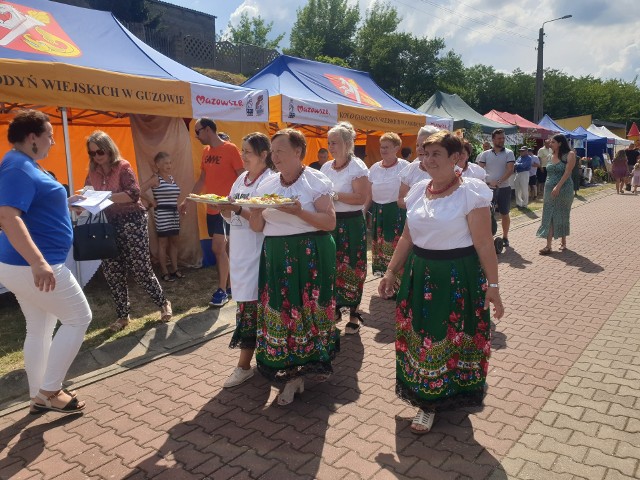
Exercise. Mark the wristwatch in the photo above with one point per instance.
(334, 196)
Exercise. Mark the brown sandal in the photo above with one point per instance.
(545, 251)
(166, 312)
(119, 324)
(563, 247)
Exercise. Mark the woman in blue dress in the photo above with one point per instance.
(558, 194)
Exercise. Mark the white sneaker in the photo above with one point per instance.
(238, 376)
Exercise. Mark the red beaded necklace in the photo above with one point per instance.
(254, 180)
(388, 166)
(288, 184)
(337, 169)
(438, 192)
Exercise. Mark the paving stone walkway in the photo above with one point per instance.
(563, 398)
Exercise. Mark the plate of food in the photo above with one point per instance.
(269, 200)
(210, 198)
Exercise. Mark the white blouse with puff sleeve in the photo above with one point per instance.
(343, 180)
(311, 185)
(441, 223)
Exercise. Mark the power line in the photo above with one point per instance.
(458, 24)
(497, 17)
(510, 32)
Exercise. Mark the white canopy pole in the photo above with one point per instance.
(67, 154)
(67, 149)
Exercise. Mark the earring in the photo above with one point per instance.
(34, 148)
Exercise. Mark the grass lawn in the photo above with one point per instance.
(188, 296)
(536, 205)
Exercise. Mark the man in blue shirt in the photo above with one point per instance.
(521, 182)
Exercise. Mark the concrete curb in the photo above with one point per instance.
(127, 353)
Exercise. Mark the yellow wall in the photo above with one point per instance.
(572, 123)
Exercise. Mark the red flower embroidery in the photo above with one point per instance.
(401, 345)
(452, 363)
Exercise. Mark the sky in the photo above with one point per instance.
(602, 39)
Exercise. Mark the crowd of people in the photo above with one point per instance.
(295, 269)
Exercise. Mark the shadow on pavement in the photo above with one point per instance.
(513, 258)
(574, 259)
(498, 339)
(30, 444)
(447, 451)
(239, 433)
(384, 320)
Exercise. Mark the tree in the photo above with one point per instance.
(253, 31)
(324, 27)
(402, 64)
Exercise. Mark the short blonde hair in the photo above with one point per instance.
(347, 133)
(106, 143)
(392, 137)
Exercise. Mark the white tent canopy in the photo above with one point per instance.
(605, 132)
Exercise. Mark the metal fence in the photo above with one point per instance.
(195, 51)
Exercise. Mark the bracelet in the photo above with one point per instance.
(494, 285)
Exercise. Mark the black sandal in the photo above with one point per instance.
(72, 406)
(353, 326)
(168, 278)
(177, 274)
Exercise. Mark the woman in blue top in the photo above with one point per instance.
(35, 240)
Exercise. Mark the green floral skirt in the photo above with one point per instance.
(443, 333)
(244, 336)
(388, 223)
(350, 236)
(296, 329)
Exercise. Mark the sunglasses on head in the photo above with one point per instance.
(93, 153)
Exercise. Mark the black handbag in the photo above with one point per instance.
(95, 239)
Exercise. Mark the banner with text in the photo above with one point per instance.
(306, 112)
(381, 120)
(230, 105)
(80, 87)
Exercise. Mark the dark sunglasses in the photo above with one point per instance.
(198, 130)
(93, 153)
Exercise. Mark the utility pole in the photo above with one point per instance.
(538, 105)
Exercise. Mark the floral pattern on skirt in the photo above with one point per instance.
(296, 331)
(387, 226)
(350, 236)
(244, 336)
(443, 333)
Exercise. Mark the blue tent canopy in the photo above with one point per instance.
(310, 80)
(596, 145)
(548, 123)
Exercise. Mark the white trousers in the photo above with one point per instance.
(521, 185)
(47, 358)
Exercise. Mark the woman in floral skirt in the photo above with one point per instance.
(296, 334)
(388, 217)
(245, 247)
(351, 190)
(450, 277)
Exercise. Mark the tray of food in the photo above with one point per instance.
(269, 200)
(210, 198)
